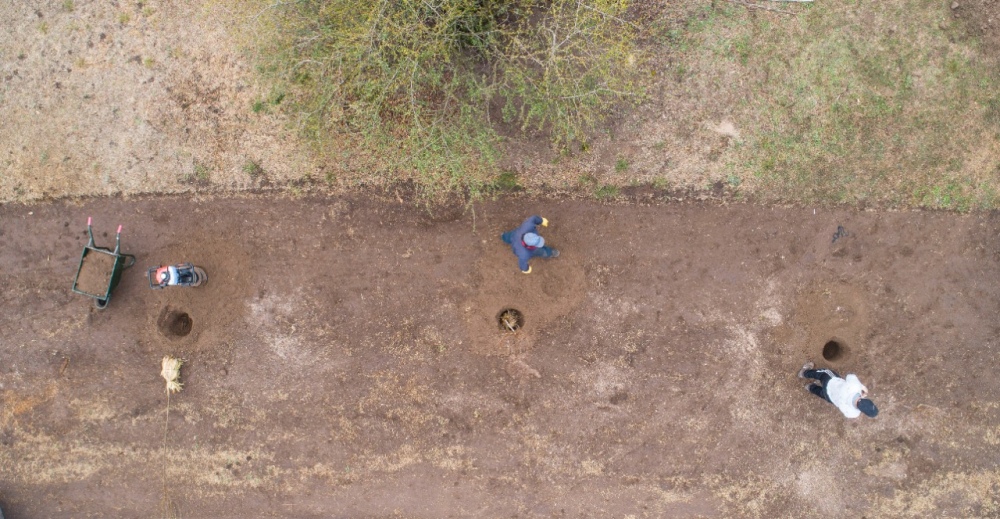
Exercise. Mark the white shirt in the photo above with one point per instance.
(174, 276)
(843, 392)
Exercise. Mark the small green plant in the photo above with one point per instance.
(741, 49)
(506, 181)
(888, 122)
(253, 170)
(606, 192)
(661, 183)
(992, 112)
(148, 62)
(201, 172)
(262, 105)
(124, 18)
(621, 165)
(587, 181)
(680, 72)
(43, 27)
(330, 177)
(68, 6)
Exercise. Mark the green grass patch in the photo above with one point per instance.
(606, 192)
(506, 181)
(621, 165)
(846, 105)
(200, 173)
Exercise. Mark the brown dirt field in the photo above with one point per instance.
(343, 361)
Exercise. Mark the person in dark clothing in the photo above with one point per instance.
(527, 244)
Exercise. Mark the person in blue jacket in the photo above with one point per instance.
(527, 244)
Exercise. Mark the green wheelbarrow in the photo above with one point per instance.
(100, 269)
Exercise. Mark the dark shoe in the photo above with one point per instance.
(805, 367)
(810, 385)
(555, 253)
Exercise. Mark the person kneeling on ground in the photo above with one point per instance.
(848, 394)
(527, 244)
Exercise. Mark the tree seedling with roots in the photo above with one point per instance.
(509, 319)
(171, 372)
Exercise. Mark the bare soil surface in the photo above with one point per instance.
(982, 17)
(103, 98)
(96, 269)
(344, 360)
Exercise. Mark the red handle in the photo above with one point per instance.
(88, 221)
(119, 229)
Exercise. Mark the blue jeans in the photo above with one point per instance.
(540, 252)
(823, 376)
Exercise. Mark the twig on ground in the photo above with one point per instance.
(472, 206)
(749, 5)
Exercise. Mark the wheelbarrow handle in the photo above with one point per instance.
(90, 232)
(118, 239)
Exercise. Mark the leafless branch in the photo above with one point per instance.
(595, 91)
(268, 8)
(598, 11)
(749, 5)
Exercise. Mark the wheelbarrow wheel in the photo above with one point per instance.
(101, 304)
(200, 276)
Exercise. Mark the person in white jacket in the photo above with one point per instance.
(848, 394)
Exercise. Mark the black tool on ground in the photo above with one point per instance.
(841, 233)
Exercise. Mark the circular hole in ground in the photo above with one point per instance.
(510, 319)
(175, 323)
(834, 349)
